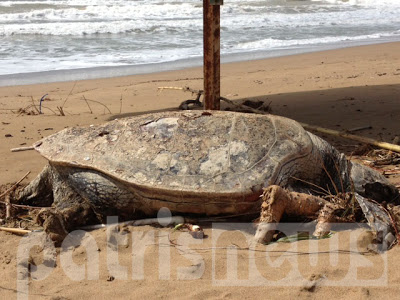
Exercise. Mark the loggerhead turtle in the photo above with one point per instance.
(194, 162)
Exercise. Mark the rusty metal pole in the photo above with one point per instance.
(211, 32)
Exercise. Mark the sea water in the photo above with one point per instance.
(120, 37)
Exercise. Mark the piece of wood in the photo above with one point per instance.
(98, 102)
(15, 185)
(359, 128)
(211, 37)
(87, 103)
(15, 230)
(33, 104)
(353, 137)
(22, 149)
(184, 89)
(386, 161)
(391, 172)
(61, 110)
(8, 206)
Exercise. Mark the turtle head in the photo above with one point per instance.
(371, 184)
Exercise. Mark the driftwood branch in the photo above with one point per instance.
(15, 230)
(49, 109)
(14, 186)
(87, 103)
(98, 102)
(185, 89)
(353, 137)
(342, 134)
(33, 104)
(8, 206)
(70, 93)
(120, 104)
(61, 110)
(27, 206)
(359, 128)
(22, 149)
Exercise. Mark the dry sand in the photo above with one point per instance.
(339, 89)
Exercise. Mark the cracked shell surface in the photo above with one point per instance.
(208, 154)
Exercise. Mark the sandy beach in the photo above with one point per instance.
(337, 89)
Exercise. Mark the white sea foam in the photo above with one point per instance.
(363, 2)
(272, 43)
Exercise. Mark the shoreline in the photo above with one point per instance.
(103, 72)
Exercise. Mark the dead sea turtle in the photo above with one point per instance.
(194, 162)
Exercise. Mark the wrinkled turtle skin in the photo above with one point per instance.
(195, 162)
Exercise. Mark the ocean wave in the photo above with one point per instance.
(271, 43)
(99, 27)
(102, 12)
(363, 2)
(145, 19)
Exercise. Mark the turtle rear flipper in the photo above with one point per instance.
(63, 209)
(371, 184)
(380, 221)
